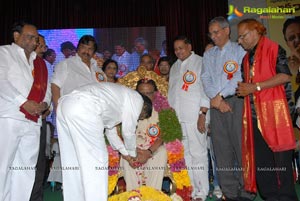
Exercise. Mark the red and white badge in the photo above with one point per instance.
(188, 78)
(230, 67)
(153, 131)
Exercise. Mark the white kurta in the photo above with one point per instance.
(187, 105)
(19, 137)
(82, 117)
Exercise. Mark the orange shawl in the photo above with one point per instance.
(273, 116)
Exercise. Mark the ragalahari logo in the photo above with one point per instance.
(233, 13)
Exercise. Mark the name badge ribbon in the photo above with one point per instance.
(153, 132)
(230, 67)
(188, 78)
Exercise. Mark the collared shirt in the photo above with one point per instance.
(135, 60)
(72, 73)
(16, 79)
(215, 79)
(123, 63)
(115, 103)
(187, 103)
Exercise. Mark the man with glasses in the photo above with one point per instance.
(268, 137)
(220, 74)
(24, 96)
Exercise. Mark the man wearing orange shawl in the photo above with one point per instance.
(268, 139)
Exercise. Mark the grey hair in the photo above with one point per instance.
(141, 40)
(221, 21)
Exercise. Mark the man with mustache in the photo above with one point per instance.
(78, 70)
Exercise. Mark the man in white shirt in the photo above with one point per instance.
(123, 58)
(82, 117)
(187, 97)
(76, 71)
(24, 96)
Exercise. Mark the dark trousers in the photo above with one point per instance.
(37, 190)
(274, 172)
(226, 133)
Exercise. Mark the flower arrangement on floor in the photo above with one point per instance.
(144, 193)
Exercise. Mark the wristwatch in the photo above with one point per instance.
(221, 95)
(200, 112)
(258, 88)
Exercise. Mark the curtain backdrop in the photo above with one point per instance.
(188, 17)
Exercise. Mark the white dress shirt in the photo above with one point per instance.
(72, 73)
(16, 80)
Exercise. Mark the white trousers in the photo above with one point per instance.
(19, 147)
(150, 174)
(195, 154)
(84, 156)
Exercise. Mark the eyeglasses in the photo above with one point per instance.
(241, 37)
(214, 33)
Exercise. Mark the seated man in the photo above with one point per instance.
(148, 169)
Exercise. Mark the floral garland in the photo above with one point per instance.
(171, 134)
(113, 168)
(144, 193)
(177, 165)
